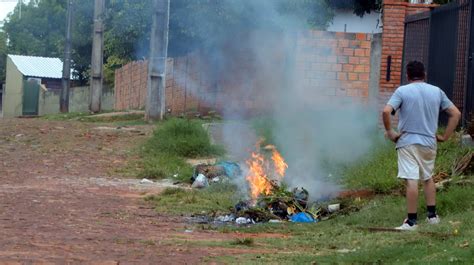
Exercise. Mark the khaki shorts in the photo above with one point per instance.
(416, 162)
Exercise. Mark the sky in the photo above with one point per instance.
(6, 6)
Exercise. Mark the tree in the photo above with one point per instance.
(360, 7)
(40, 32)
(193, 24)
(3, 55)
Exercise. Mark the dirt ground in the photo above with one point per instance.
(62, 200)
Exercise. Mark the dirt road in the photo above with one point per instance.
(62, 200)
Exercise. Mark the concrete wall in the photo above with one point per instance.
(79, 99)
(375, 59)
(13, 95)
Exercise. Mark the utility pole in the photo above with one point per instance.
(97, 56)
(64, 99)
(155, 100)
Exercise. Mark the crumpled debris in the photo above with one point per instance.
(226, 218)
(146, 181)
(302, 218)
(243, 221)
(200, 182)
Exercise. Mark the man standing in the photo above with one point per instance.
(419, 105)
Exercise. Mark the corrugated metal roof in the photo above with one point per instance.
(33, 66)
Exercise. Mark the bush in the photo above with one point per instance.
(183, 138)
(174, 140)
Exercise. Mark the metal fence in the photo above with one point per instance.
(441, 40)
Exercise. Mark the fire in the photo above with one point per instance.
(280, 165)
(261, 173)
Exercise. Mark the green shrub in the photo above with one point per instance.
(163, 155)
(183, 138)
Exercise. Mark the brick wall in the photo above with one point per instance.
(395, 12)
(336, 64)
(328, 65)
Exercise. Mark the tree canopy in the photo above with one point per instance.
(193, 24)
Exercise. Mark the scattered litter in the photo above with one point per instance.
(19, 135)
(231, 169)
(188, 231)
(226, 218)
(175, 175)
(146, 181)
(200, 182)
(334, 207)
(220, 170)
(243, 221)
(302, 218)
(216, 179)
(464, 245)
(345, 250)
(274, 221)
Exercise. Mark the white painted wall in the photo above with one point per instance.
(347, 21)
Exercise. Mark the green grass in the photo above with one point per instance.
(65, 116)
(378, 171)
(218, 198)
(344, 239)
(127, 119)
(326, 241)
(163, 155)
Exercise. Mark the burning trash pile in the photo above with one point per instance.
(269, 199)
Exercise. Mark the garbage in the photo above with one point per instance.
(220, 170)
(188, 231)
(302, 218)
(345, 250)
(243, 221)
(200, 182)
(210, 171)
(231, 169)
(275, 221)
(216, 179)
(146, 181)
(334, 207)
(242, 206)
(226, 218)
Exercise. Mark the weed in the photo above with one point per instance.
(243, 242)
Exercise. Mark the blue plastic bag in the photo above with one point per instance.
(231, 169)
(302, 218)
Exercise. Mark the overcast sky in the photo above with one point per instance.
(6, 6)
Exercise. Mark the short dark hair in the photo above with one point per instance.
(416, 70)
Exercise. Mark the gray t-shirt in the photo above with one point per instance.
(419, 105)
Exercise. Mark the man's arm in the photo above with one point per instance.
(389, 132)
(453, 120)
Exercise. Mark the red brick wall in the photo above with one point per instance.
(394, 14)
(335, 63)
(327, 64)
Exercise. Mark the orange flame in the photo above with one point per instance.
(259, 171)
(279, 162)
(259, 183)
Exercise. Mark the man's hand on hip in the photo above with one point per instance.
(440, 138)
(392, 135)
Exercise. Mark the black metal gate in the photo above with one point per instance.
(441, 40)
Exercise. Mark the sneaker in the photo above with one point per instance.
(406, 227)
(433, 220)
